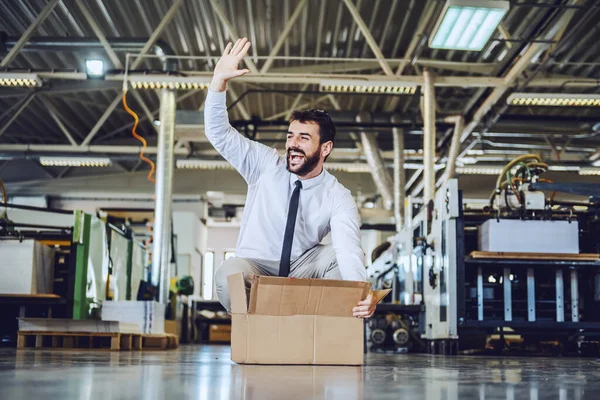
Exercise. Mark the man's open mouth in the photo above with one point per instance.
(296, 157)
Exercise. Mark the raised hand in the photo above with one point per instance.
(227, 66)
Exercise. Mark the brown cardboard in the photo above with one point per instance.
(297, 321)
(219, 333)
(172, 327)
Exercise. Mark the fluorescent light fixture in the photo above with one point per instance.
(19, 80)
(94, 69)
(564, 168)
(554, 100)
(362, 86)
(479, 170)
(589, 171)
(348, 167)
(75, 161)
(169, 82)
(467, 24)
(202, 164)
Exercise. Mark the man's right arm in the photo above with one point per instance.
(248, 157)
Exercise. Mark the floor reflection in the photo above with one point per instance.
(205, 372)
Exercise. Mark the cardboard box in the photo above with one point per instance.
(219, 333)
(297, 321)
(172, 327)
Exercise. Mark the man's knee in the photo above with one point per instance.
(230, 266)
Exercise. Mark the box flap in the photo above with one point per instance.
(379, 295)
(290, 296)
(237, 293)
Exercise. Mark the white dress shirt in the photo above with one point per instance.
(325, 205)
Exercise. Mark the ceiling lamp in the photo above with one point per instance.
(589, 171)
(19, 80)
(467, 24)
(479, 170)
(94, 69)
(362, 86)
(169, 82)
(554, 100)
(202, 164)
(75, 162)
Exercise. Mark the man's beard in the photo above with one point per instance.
(310, 162)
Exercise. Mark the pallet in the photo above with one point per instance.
(95, 341)
(160, 342)
(534, 256)
(79, 340)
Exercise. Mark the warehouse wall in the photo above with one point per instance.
(191, 245)
(220, 240)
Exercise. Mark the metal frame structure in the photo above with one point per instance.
(535, 46)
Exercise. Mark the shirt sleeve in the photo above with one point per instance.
(248, 157)
(345, 235)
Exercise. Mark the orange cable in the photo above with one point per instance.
(140, 138)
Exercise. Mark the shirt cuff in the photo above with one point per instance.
(217, 97)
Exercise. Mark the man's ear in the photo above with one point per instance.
(326, 148)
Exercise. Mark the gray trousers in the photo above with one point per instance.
(318, 262)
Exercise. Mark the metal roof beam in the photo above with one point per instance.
(96, 28)
(102, 120)
(22, 107)
(157, 32)
(232, 32)
(516, 70)
(27, 34)
(316, 78)
(284, 34)
(369, 37)
(239, 104)
(54, 114)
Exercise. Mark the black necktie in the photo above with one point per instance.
(288, 238)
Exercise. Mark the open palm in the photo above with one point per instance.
(227, 66)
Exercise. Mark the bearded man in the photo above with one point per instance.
(292, 201)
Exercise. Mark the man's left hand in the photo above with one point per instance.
(365, 308)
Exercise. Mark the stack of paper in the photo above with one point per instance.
(26, 267)
(148, 315)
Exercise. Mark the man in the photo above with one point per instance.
(292, 202)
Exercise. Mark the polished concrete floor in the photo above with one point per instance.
(205, 372)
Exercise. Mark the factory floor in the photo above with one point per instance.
(205, 372)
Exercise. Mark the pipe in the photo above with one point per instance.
(82, 150)
(459, 123)
(381, 176)
(164, 192)
(66, 43)
(399, 174)
(428, 137)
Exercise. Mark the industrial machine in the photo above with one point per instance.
(520, 274)
(62, 264)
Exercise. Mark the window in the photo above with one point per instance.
(208, 275)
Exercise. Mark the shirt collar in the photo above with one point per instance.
(307, 183)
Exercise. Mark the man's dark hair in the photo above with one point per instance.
(321, 118)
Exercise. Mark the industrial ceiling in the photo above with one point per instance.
(539, 47)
